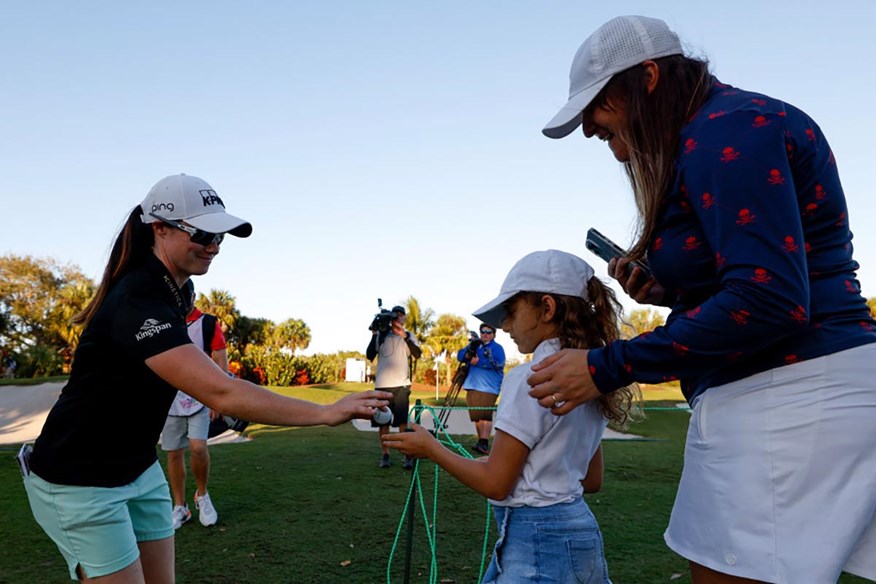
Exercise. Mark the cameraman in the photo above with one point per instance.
(483, 382)
(396, 348)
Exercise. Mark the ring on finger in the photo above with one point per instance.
(556, 401)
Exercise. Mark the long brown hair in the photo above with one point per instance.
(131, 248)
(653, 132)
(589, 324)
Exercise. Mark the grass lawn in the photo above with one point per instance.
(311, 505)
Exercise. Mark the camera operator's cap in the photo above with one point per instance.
(399, 310)
(188, 198)
(617, 45)
(551, 271)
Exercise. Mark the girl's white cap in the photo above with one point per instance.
(617, 45)
(553, 271)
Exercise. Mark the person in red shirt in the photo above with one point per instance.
(188, 424)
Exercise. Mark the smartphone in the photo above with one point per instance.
(608, 250)
(23, 458)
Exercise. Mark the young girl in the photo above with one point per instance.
(540, 464)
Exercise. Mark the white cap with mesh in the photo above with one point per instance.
(188, 198)
(617, 45)
(552, 271)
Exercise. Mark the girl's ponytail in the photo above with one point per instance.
(590, 324)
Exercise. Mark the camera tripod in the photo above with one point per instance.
(456, 384)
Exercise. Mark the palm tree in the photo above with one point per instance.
(449, 335)
(72, 298)
(222, 305)
(291, 334)
(250, 331)
(419, 322)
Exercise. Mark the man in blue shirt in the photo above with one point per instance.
(483, 383)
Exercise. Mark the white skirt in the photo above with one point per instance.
(779, 480)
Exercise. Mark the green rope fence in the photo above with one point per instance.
(416, 497)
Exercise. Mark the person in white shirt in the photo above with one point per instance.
(188, 424)
(541, 464)
(396, 347)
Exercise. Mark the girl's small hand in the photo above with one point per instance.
(641, 289)
(416, 442)
(562, 381)
(356, 405)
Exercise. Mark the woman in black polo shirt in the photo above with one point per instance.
(95, 485)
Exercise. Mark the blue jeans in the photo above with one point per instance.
(556, 544)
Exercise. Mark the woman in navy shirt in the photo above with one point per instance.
(743, 222)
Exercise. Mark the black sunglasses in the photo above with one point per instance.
(487, 332)
(196, 235)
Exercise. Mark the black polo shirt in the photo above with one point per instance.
(103, 429)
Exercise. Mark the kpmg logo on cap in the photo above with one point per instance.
(150, 328)
(209, 197)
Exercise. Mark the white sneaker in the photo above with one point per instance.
(206, 512)
(181, 514)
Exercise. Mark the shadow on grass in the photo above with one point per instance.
(311, 506)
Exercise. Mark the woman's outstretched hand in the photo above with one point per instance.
(356, 405)
(562, 381)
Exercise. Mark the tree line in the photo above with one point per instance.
(39, 296)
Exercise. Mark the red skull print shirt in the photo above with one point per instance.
(754, 249)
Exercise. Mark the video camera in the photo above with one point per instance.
(382, 320)
(474, 341)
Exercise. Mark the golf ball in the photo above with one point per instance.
(382, 416)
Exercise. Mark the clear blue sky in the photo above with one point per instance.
(380, 149)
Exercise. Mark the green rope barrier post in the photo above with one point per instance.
(418, 410)
(415, 495)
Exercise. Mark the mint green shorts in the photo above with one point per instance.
(98, 527)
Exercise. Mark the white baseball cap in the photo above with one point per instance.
(188, 198)
(617, 45)
(551, 271)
